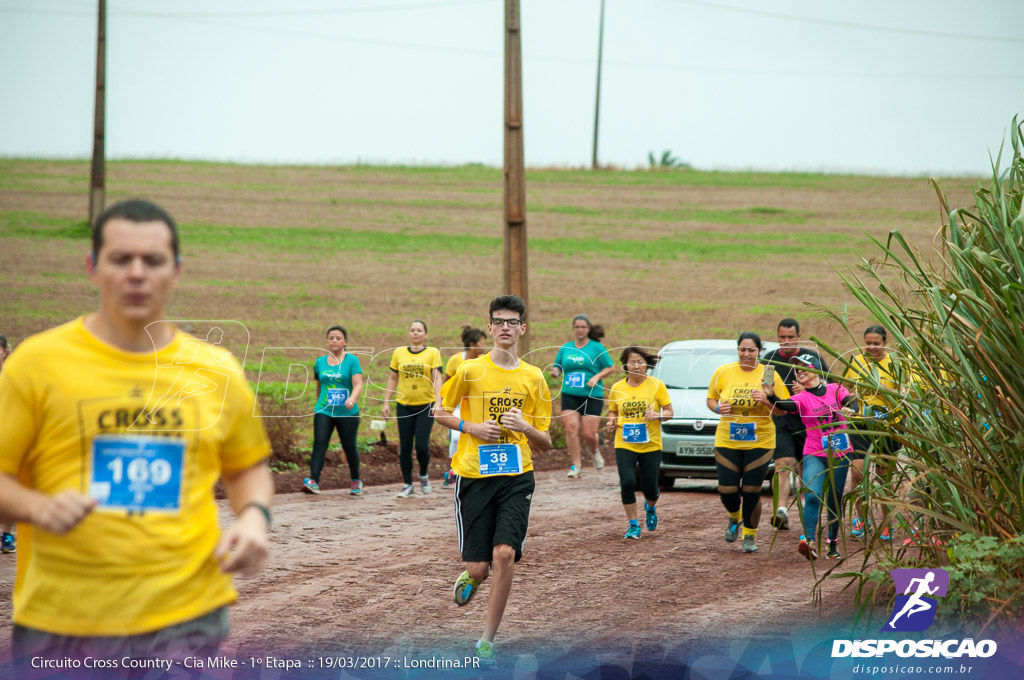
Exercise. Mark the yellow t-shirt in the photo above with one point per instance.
(733, 384)
(862, 371)
(631, 403)
(453, 363)
(486, 391)
(415, 375)
(63, 395)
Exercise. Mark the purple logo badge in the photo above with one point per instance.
(916, 590)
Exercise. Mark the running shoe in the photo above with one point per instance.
(781, 519)
(406, 491)
(912, 541)
(652, 517)
(832, 549)
(309, 486)
(731, 530)
(356, 488)
(633, 531)
(748, 544)
(7, 543)
(886, 534)
(807, 549)
(449, 478)
(465, 588)
(574, 472)
(425, 484)
(860, 527)
(598, 459)
(485, 654)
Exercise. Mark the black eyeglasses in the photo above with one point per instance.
(512, 323)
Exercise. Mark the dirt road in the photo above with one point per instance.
(374, 574)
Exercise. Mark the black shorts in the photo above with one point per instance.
(586, 406)
(492, 511)
(790, 436)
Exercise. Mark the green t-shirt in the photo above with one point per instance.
(336, 385)
(580, 365)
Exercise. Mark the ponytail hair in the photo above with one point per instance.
(471, 336)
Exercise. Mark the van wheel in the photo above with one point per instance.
(665, 483)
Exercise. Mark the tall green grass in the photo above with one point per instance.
(955, 317)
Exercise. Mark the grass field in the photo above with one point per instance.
(287, 251)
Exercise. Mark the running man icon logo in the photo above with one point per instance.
(914, 610)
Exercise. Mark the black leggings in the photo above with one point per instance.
(414, 422)
(741, 473)
(650, 463)
(323, 426)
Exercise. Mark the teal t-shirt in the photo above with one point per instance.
(336, 385)
(580, 365)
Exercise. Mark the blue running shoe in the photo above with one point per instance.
(7, 543)
(652, 517)
(356, 487)
(309, 486)
(731, 530)
(633, 531)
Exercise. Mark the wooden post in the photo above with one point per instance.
(597, 102)
(515, 264)
(97, 175)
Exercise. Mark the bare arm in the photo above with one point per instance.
(357, 389)
(720, 407)
(57, 514)
(513, 420)
(388, 391)
(604, 373)
(244, 547)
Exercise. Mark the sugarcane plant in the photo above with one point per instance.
(955, 487)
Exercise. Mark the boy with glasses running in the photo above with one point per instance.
(506, 411)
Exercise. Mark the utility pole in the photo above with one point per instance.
(597, 103)
(97, 176)
(515, 265)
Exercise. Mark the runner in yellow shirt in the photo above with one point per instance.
(415, 380)
(474, 342)
(745, 438)
(117, 427)
(505, 417)
(636, 407)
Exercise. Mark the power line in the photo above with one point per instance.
(846, 24)
(205, 20)
(258, 14)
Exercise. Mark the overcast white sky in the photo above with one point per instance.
(915, 86)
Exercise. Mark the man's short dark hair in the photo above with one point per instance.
(512, 303)
(133, 210)
(789, 323)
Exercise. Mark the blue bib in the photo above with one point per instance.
(635, 433)
(743, 432)
(837, 441)
(137, 473)
(575, 380)
(500, 459)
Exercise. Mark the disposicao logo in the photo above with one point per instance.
(914, 611)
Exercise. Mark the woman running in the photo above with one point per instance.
(582, 362)
(823, 408)
(636, 407)
(745, 438)
(874, 357)
(416, 373)
(474, 342)
(339, 381)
